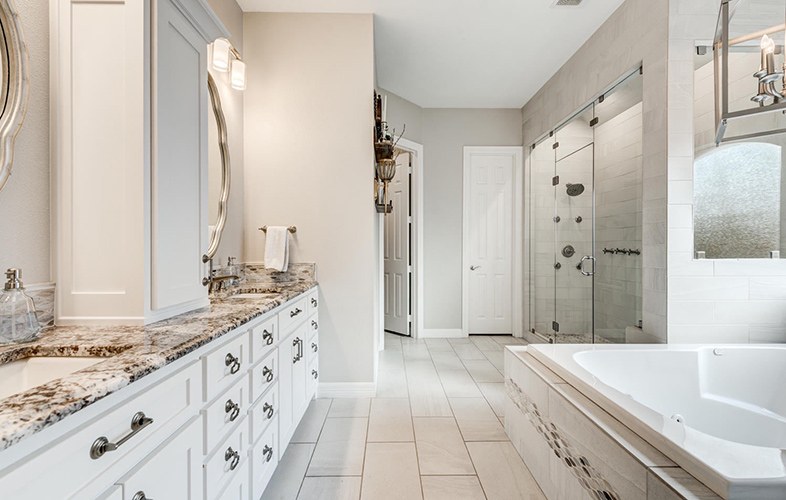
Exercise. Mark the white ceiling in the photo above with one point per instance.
(465, 53)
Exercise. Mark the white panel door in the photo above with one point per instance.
(489, 240)
(179, 174)
(397, 251)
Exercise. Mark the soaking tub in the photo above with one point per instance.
(719, 412)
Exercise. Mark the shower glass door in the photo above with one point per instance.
(541, 239)
(574, 232)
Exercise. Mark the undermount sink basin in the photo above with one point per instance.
(23, 374)
(254, 295)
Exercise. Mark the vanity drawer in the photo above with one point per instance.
(70, 471)
(238, 488)
(264, 375)
(222, 414)
(264, 337)
(313, 301)
(222, 467)
(292, 315)
(263, 460)
(263, 413)
(171, 471)
(312, 349)
(225, 365)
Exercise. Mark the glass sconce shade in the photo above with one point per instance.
(238, 75)
(221, 54)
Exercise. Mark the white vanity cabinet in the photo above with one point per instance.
(222, 417)
(129, 106)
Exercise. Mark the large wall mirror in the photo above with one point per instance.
(739, 190)
(218, 170)
(13, 85)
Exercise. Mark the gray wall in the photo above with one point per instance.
(24, 202)
(636, 33)
(443, 134)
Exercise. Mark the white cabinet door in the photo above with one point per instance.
(172, 471)
(179, 167)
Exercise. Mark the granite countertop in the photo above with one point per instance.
(132, 352)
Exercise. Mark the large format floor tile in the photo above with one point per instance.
(502, 473)
(330, 488)
(458, 384)
(391, 472)
(482, 370)
(340, 448)
(286, 482)
(452, 488)
(311, 425)
(477, 420)
(350, 407)
(440, 447)
(390, 421)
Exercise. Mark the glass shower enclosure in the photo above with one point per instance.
(585, 207)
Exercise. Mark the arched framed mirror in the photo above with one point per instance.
(218, 208)
(13, 85)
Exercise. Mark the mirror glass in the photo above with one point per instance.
(738, 206)
(13, 86)
(218, 169)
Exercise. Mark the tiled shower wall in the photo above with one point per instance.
(709, 300)
(618, 216)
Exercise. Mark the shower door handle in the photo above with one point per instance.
(581, 265)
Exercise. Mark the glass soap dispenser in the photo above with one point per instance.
(18, 319)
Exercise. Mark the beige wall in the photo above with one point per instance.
(24, 202)
(309, 163)
(636, 33)
(232, 101)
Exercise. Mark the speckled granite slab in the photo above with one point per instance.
(132, 352)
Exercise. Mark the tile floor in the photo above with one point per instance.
(433, 432)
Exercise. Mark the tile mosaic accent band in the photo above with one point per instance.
(588, 476)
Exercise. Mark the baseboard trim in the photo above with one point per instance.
(442, 333)
(347, 390)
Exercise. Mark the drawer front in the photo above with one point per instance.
(313, 302)
(171, 471)
(264, 375)
(292, 315)
(264, 412)
(224, 412)
(263, 459)
(264, 338)
(238, 488)
(224, 366)
(68, 463)
(222, 467)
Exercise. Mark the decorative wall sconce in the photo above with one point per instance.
(385, 155)
(226, 58)
(733, 120)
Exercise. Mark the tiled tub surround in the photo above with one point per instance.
(642, 387)
(132, 352)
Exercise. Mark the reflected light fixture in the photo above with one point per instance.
(226, 58)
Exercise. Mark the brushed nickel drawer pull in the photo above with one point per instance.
(268, 374)
(313, 302)
(314, 324)
(314, 346)
(268, 452)
(102, 445)
(231, 361)
(232, 457)
(233, 409)
(267, 336)
(296, 343)
(268, 408)
(315, 374)
(140, 495)
(294, 313)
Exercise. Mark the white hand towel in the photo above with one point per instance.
(277, 248)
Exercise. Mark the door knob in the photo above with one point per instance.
(472, 268)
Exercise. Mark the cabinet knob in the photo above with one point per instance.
(315, 374)
(232, 457)
(314, 324)
(268, 452)
(140, 495)
(267, 336)
(233, 362)
(268, 374)
(268, 408)
(233, 409)
(313, 302)
(314, 346)
(294, 313)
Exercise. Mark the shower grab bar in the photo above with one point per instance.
(626, 251)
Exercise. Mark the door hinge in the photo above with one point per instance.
(555, 326)
(409, 219)
(555, 145)
(555, 180)
(594, 121)
(601, 98)
(409, 269)
(410, 170)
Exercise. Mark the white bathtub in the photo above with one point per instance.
(719, 412)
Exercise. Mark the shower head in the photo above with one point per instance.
(575, 189)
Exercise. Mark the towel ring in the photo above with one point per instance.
(291, 229)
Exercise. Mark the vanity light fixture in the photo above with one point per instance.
(226, 58)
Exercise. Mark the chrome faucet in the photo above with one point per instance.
(213, 282)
